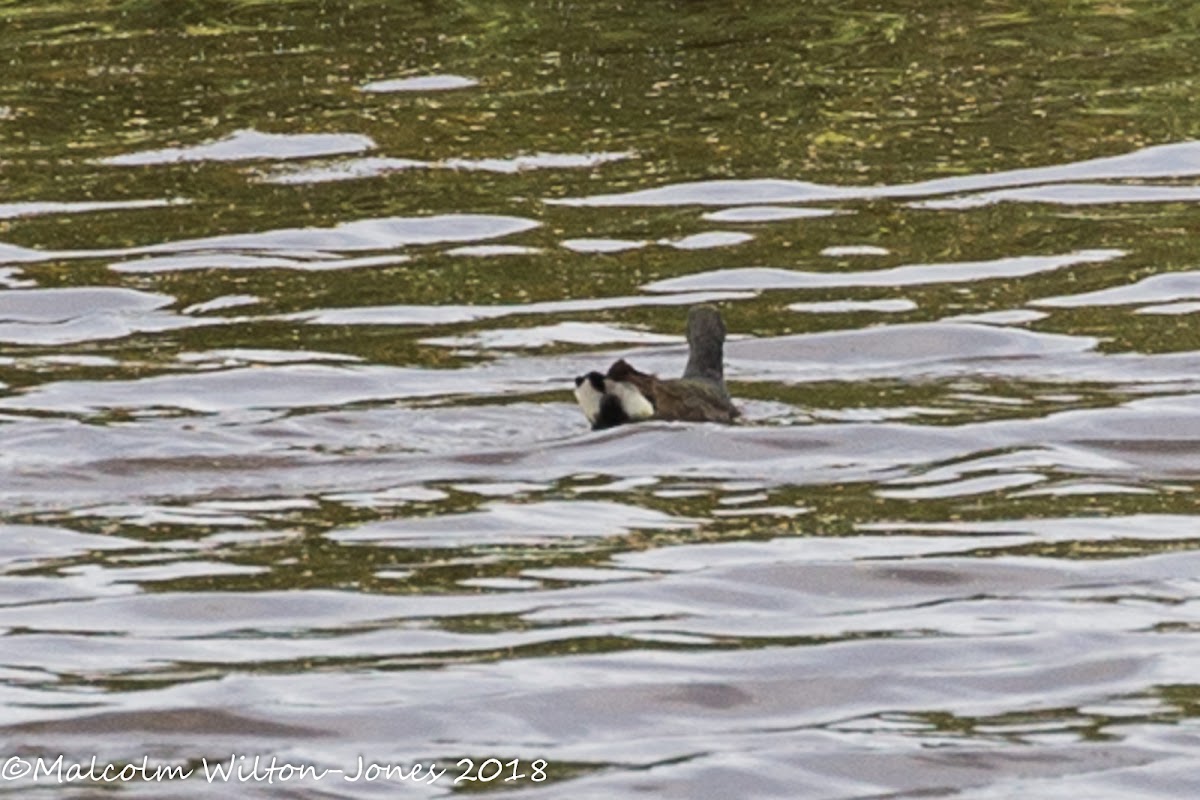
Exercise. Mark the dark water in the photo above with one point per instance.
(291, 296)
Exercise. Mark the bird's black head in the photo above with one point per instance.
(594, 379)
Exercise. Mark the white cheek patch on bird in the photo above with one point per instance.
(607, 403)
(633, 402)
(589, 392)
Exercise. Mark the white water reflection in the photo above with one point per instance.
(47, 306)
(221, 303)
(271, 386)
(492, 250)
(1060, 529)
(452, 314)
(500, 523)
(67, 315)
(1011, 316)
(603, 245)
(965, 487)
(1165, 287)
(149, 516)
(36, 209)
(708, 240)
(1079, 488)
(420, 83)
(293, 248)
(348, 170)
(238, 356)
(15, 254)
(1170, 309)
(250, 145)
(28, 544)
(72, 360)
(388, 498)
(841, 251)
(9, 279)
(1181, 160)
(579, 333)
(762, 278)
(1070, 194)
(768, 214)
(381, 233)
(534, 161)
(236, 261)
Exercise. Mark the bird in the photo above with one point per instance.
(625, 394)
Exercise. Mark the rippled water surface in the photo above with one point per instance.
(292, 294)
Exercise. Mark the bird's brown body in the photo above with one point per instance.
(626, 394)
(683, 399)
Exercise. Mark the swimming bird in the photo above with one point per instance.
(626, 394)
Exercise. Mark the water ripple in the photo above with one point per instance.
(250, 145)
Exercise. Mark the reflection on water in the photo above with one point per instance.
(291, 300)
(908, 275)
(422, 83)
(1180, 160)
(249, 145)
(360, 168)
